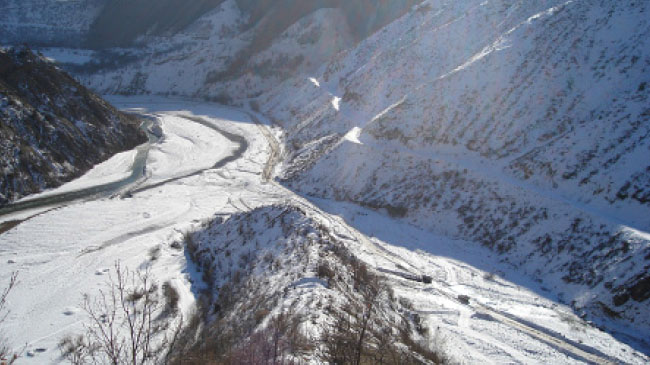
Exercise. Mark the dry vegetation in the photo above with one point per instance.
(7, 356)
(239, 322)
(128, 323)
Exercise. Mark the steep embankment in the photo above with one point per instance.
(519, 125)
(53, 129)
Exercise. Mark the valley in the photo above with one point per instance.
(502, 307)
(381, 182)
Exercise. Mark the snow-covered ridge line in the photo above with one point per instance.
(533, 144)
(573, 348)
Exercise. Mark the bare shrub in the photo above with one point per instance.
(190, 245)
(361, 332)
(324, 271)
(122, 324)
(260, 315)
(489, 276)
(279, 343)
(7, 356)
(154, 253)
(76, 349)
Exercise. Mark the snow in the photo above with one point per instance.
(463, 268)
(116, 168)
(64, 253)
(353, 135)
(66, 55)
(336, 103)
(188, 147)
(476, 106)
(503, 124)
(314, 81)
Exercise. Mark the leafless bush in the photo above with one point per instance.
(122, 324)
(76, 349)
(362, 333)
(324, 271)
(255, 105)
(190, 245)
(6, 354)
(278, 343)
(489, 276)
(350, 339)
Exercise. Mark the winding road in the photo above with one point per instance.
(137, 175)
(137, 172)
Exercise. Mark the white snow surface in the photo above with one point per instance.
(530, 114)
(66, 252)
(517, 125)
(116, 168)
(187, 147)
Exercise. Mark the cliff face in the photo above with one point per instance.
(52, 129)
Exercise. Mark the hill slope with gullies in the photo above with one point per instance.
(498, 149)
(522, 126)
(52, 128)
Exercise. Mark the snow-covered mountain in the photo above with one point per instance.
(277, 275)
(517, 125)
(215, 49)
(52, 128)
(214, 58)
(47, 22)
(520, 125)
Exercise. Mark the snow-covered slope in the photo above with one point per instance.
(517, 125)
(214, 58)
(47, 22)
(52, 128)
(521, 125)
(278, 263)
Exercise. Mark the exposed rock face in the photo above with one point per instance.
(52, 128)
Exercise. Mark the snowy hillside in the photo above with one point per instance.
(468, 177)
(275, 274)
(519, 125)
(52, 128)
(221, 50)
(47, 22)
(214, 58)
